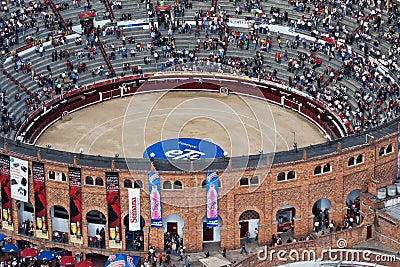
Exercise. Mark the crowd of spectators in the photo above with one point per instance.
(360, 50)
(321, 68)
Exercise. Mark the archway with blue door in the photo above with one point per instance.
(134, 238)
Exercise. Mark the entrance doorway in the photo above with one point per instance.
(369, 231)
(172, 227)
(208, 232)
(244, 228)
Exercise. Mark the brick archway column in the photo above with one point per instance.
(228, 229)
(85, 234)
(123, 239)
(146, 231)
(49, 227)
(156, 239)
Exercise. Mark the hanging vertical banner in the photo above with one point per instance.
(212, 199)
(134, 209)
(398, 157)
(6, 192)
(114, 210)
(75, 204)
(19, 179)
(40, 200)
(155, 200)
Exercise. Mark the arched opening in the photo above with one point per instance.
(96, 222)
(281, 177)
(389, 148)
(89, 180)
(320, 210)
(61, 177)
(360, 159)
(178, 185)
(59, 222)
(127, 183)
(353, 208)
(352, 196)
(167, 185)
(317, 170)
(173, 229)
(99, 181)
(244, 181)
(291, 175)
(382, 151)
(254, 180)
(138, 184)
(350, 162)
(134, 238)
(25, 218)
(285, 218)
(211, 235)
(327, 168)
(248, 221)
(52, 175)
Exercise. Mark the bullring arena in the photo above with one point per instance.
(197, 115)
(215, 133)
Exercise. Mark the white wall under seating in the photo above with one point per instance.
(323, 204)
(216, 235)
(58, 224)
(92, 227)
(253, 224)
(24, 215)
(174, 218)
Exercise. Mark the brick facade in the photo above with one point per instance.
(265, 198)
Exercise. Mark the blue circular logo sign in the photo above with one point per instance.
(183, 148)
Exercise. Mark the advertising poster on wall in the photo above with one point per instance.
(114, 210)
(7, 220)
(39, 188)
(398, 157)
(19, 179)
(75, 205)
(212, 199)
(134, 209)
(155, 200)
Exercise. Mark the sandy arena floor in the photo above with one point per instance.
(240, 125)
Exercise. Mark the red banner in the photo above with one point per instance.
(165, 7)
(39, 188)
(75, 204)
(6, 192)
(86, 15)
(114, 210)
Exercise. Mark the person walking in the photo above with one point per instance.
(256, 234)
(243, 250)
(248, 237)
